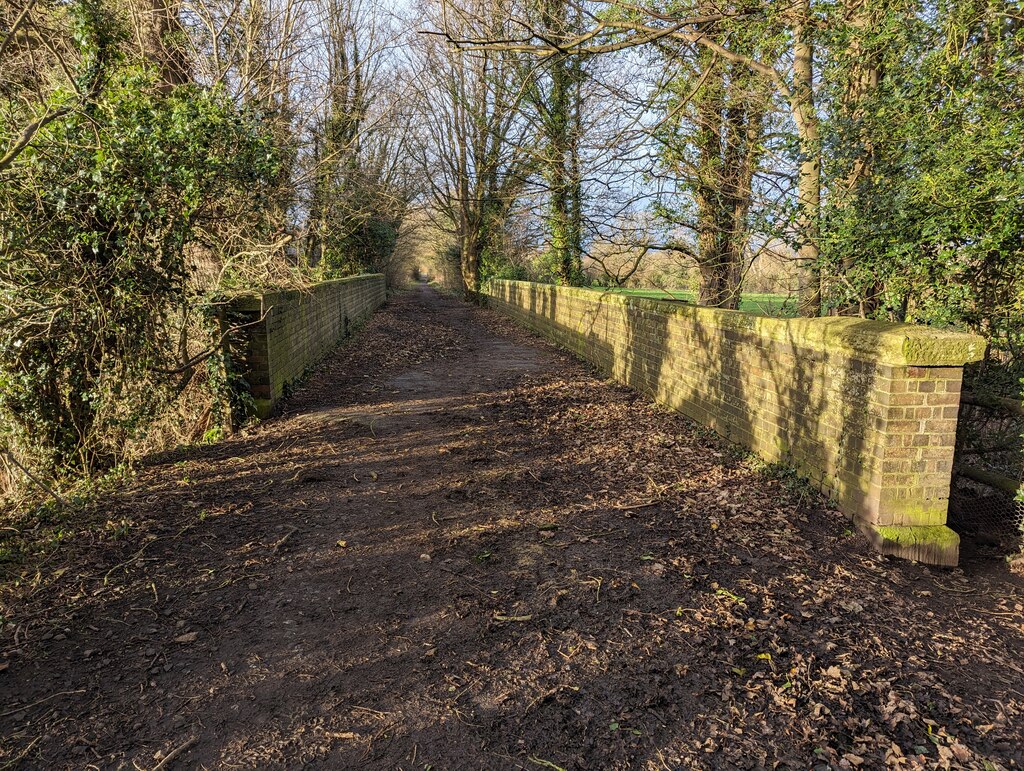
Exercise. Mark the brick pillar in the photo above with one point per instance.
(905, 506)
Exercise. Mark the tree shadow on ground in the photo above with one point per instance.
(524, 566)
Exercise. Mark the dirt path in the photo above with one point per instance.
(458, 548)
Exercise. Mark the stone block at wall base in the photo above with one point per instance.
(931, 544)
(262, 408)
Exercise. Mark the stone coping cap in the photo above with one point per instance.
(878, 341)
(257, 302)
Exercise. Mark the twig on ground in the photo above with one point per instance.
(35, 479)
(22, 755)
(286, 536)
(146, 545)
(538, 479)
(175, 753)
(631, 506)
(37, 703)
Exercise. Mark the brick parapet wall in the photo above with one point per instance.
(287, 332)
(864, 410)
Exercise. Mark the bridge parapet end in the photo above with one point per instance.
(284, 333)
(866, 411)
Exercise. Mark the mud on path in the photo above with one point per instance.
(459, 548)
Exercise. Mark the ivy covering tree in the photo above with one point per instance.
(556, 97)
(97, 218)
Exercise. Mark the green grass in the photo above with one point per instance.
(763, 304)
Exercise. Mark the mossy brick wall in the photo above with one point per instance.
(865, 410)
(287, 332)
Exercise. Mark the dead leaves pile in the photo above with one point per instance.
(792, 633)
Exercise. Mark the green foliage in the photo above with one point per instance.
(364, 248)
(931, 230)
(547, 267)
(97, 220)
(924, 161)
(495, 264)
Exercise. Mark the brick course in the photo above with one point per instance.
(865, 410)
(287, 332)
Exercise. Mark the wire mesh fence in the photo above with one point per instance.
(990, 517)
(985, 503)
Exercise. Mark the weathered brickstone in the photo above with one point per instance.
(865, 410)
(287, 332)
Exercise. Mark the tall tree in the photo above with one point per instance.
(855, 51)
(335, 152)
(476, 152)
(556, 98)
(712, 140)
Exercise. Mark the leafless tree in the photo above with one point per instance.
(614, 26)
(475, 149)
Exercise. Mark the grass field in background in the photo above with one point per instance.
(751, 302)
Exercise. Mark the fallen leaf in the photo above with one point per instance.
(851, 606)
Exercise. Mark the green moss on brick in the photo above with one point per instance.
(864, 409)
(936, 544)
(298, 327)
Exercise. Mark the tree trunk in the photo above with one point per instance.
(728, 139)
(469, 254)
(809, 181)
(718, 284)
(561, 121)
(560, 225)
(863, 77)
(160, 34)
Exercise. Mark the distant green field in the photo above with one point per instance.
(750, 302)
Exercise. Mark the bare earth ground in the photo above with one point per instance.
(459, 548)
